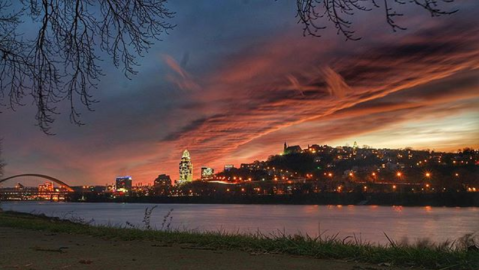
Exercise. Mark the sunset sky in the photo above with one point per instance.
(236, 79)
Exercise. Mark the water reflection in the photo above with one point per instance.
(370, 222)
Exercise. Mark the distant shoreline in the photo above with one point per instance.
(465, 199)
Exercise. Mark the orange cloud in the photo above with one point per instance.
(281, 84)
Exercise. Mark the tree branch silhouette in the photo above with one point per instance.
(338, 12)
(62, 61)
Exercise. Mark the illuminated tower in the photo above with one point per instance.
(355, 148)
(186, 168)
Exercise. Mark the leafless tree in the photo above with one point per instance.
(339, 12)
(62, 61)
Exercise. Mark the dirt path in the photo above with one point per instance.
(23, 249)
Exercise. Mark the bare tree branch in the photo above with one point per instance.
(62, 61)
(338, 12)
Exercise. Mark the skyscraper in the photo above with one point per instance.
(186, 168)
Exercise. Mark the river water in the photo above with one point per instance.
(370, 223)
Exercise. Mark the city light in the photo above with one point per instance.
(388, 173)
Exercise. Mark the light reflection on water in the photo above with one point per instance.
(368, 222)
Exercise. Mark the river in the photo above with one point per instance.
(369, 223)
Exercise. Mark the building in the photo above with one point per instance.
(314, 148)
(109, 188)
(19, 186)
(207, 173)
(124, 184)
(355, 148)
(295, 149)
(228, 167)
(186, 168)
(47, 187)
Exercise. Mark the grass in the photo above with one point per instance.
(440, 256)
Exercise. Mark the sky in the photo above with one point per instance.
(236, 79)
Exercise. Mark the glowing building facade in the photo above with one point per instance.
(186, 168)
(207, 173)
(124, 184)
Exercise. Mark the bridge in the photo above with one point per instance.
(67, 187)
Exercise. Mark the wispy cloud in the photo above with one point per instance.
(180, 77)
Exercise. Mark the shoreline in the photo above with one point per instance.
(434, 256)
(190, 203)
(379, 199)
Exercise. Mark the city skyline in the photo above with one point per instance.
(295, 170)
(234, 96)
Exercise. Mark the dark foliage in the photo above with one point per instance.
(301, 163)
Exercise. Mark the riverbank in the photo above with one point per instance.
(45, 239)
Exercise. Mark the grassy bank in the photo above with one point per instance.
(421, 255)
